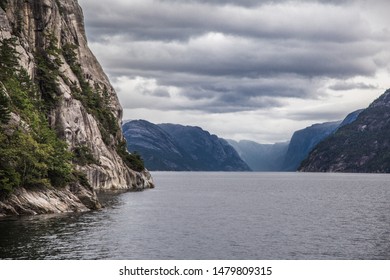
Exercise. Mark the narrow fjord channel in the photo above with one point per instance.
(219, 216)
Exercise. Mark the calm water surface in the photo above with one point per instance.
(219, 216)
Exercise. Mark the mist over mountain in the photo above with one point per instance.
(289, 155)
(261, 157)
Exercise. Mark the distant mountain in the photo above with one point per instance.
(158, 149)
(171, 147)
(174, 147)
(303, 141)
(261, 157)
(207, 152)
(361, 146)
(289, 155)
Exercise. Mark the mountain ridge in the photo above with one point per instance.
(289, 155)
(174, 147)
(361, 146)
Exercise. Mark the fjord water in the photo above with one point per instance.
(219, 216)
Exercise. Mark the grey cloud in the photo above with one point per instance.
(161, 93)
(237, 95)
(226, 94)
(254, 3)
(228, 103)
(318, 116)
(341, 86)
(235, 105)
(181, 20)
(234, 56)
(234, 90)
(326, 42)
(242, 58)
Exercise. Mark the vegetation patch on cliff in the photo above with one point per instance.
(95, 100)
(32, 155)
(3, 4)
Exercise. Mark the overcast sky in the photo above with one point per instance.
(256, 70)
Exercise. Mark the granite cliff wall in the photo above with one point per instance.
(54, 30)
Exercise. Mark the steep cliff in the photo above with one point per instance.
(361, 146)
(207, 151)
(289, 155)
(181, 148)
(157, 148)
(72, 93)
(304, 140)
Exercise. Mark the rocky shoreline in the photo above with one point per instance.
(38, 201)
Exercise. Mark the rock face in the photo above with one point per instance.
(158, 149)
(350, 118)
(171, 147)
(52, 26)
(40, 201)
(361, 146)
(303, 141)
(261, 157)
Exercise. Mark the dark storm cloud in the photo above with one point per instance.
(227, 56)
(181, 20)
(221, 94)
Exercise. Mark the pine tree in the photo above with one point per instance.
(5, 113)
(8, 59)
